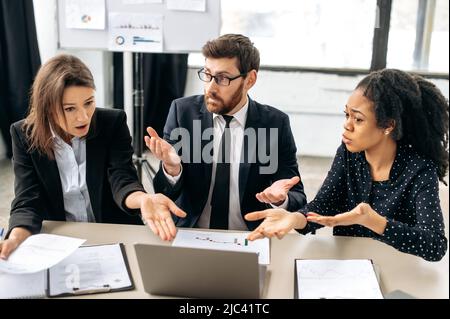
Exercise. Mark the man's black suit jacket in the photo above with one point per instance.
(191, 191)
(110, 176)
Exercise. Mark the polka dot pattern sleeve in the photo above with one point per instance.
(424, 234)
(409, 200)
(331, 197)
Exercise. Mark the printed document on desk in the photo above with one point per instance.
(336, 279)
(235, 241)
(39, 252)
(91, 269)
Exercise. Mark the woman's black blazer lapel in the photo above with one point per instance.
(95, 162)
(49, 175)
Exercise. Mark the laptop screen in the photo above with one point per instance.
(197, 272)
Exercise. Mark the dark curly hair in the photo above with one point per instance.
(419, 110)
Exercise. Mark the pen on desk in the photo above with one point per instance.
(91, 290)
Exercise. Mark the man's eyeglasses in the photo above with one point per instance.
(220, 79)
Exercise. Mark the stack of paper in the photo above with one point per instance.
(23, 275)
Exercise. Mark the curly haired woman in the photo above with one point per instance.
(383, 182)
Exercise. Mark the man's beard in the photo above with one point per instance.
(219, 106)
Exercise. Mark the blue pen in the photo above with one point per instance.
(1, 233)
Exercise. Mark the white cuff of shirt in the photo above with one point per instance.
(172, 179)
(284, 205)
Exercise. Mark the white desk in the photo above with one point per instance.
(411, 274)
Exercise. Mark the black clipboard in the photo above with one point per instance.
(98, 289)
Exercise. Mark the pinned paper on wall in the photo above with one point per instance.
(187, 5)
(85, 14)
(135, 32)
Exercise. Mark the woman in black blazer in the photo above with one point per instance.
(383, 183)
(73, 161)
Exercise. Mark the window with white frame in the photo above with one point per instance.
(307, 33)
(339, 34)
(418, 36)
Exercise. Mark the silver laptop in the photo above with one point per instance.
(201, 273)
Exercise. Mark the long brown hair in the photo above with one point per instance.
(46, 99)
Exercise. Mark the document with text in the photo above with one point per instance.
(23, 286)
(336, 279)
(91, 269)
(235, 241)
(39, 252)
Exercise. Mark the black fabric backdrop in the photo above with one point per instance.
(164, 80)
(19, 62)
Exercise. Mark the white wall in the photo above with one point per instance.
(45, 15)
(99, 62)
(314, 102)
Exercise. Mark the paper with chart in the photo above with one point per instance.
(187, 5)
(39, 252)
(236, 241)
(135, 32)
(337, 279)
(90, 267)
(85, 14)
